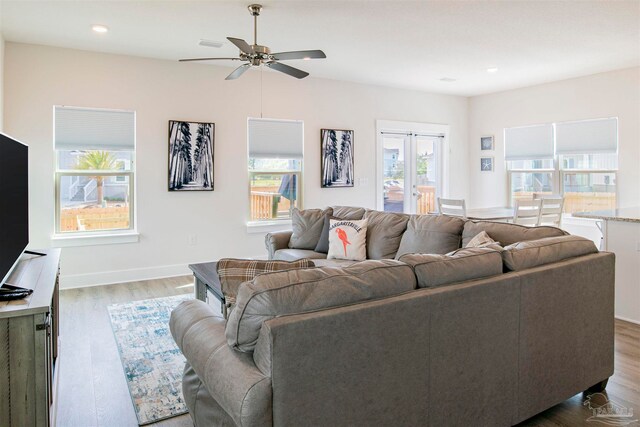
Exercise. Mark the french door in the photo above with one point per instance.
(411, 171)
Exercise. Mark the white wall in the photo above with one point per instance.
(39, 77)
(612, 94)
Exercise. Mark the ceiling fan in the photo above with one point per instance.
(255, 55)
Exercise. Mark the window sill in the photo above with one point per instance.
(92, 239)
(256, 227)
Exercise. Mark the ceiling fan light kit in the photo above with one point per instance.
(256, 55)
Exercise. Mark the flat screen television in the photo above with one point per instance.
(14, 203)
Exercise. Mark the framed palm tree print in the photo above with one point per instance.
(337, 158)
(191, 156)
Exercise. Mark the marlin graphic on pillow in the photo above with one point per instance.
(342, 235)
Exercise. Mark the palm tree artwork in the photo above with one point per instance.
(337, 158)
(190, 156)
(97, 160)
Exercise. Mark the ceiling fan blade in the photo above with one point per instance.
(242, 45)
(207, 59)
(294, 72)
(238, 72)
(299, 54)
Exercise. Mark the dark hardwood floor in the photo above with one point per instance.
(92, 390)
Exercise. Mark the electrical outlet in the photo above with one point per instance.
(192, 239)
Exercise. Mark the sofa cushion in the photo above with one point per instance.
(506, 233)
(348, 212)
(232, 271)
(333, 262)
(348, 240)
(457, 266)
(296, 254)
(431, 234)
(307, 226)
(299, 291)
(384, 232)
(533, 253)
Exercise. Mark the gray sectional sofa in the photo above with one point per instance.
(479, 336)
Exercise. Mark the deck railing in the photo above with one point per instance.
(426, 200)
(579, 202)
(264, 205)
(95, 218)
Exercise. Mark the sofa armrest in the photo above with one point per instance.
(277, 240)
(231, 377)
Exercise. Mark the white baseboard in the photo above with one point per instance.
(628, 320)
(72, 281)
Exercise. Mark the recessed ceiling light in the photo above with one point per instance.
(492, 70)
(97, 28)
(447, 79)
(306, 58)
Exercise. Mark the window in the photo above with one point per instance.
(588, 152)
(275, 168)
(589, 181)
(95, 153)
(529, 152)
(582, 166)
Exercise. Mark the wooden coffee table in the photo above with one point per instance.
(206, 278)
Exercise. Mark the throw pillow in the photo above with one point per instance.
(508, 234)
(384, 233)
(348, 212)
(307, 226)
(431, 234)
(347, 240)
(233, 272)
(323, 241)
(481, 240)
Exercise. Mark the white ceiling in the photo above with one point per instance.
(409, 44)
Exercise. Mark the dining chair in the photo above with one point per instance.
(527, 212)
(452, 207)
(551, 210)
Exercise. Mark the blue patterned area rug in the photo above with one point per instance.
(152, 362)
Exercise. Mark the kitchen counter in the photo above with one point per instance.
(621, 235)
(623, 214)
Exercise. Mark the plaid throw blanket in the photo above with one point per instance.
(232, 272)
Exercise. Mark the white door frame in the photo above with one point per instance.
(410, 128)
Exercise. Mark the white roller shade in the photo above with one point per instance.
(588, 136)
(94, 129)
(528, 142)
(275, 139)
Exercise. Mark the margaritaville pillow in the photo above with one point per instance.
(347, 240)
